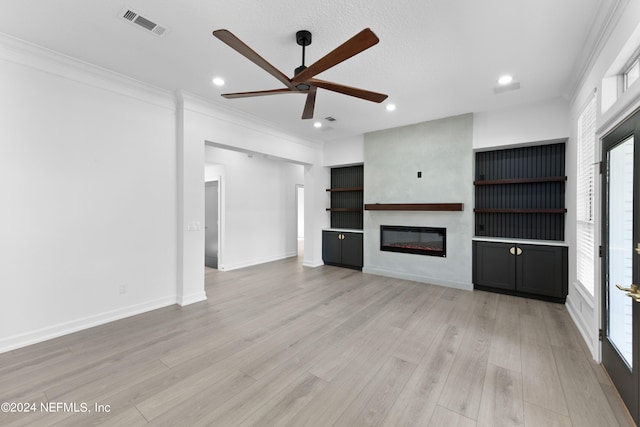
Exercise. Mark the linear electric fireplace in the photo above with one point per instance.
(414, 240)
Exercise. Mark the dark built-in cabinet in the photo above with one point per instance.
(339, 247)
(537, 271)
(342, 249)
(520, 194)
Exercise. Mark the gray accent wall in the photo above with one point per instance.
(442, 151)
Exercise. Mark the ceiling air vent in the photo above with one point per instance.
(145, 23)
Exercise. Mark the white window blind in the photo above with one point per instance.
(585, 227)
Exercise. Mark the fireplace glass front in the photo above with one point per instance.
(414, 240)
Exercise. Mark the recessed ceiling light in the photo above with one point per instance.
(317, 125)
(505, 80)
(218, 81)
(390, 107)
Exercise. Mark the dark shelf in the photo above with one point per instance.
(523, 211)
(345, 189)
(521, 180)
(344, 209)
(456, 207)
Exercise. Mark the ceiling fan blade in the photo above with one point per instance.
(356, 44)
(259, 93)
(238, 45)
(348, 90)
(310, 104)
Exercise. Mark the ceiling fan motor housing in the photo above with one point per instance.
(303, 37)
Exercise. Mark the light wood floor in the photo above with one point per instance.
(283, 345)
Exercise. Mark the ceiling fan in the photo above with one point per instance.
(303, 80)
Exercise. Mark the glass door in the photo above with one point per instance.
(621, 260)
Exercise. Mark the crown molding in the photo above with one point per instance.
(196, 104)
(605, 21)
(51, 62)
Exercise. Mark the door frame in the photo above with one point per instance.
(628, 388)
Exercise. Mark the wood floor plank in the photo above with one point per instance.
(445, 417)
(541, 379)
(199, 405)
(183, 390)
(282, 407)
(537, 416)
(562, 332)
(505, 343)
(502, 403)
(533, 331)
(373, 403)
(415, 343)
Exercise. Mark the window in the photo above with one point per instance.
(631, 73)
(585, 224)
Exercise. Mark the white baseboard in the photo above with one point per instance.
(191, 299)
(416, 278)
(256, 261)
(583, 328)
(312, 263)
(23, 340)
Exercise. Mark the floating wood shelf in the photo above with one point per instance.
(344, 209)
(521, 180)
(455, 207)
(507, 210)
(345, 189)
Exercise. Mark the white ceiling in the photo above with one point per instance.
(436, 58)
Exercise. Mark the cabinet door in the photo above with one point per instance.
(495, 266)
(542, 270)
(352, 249)
(331, 247)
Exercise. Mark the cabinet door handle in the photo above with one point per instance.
(512, 250)
(518, 251)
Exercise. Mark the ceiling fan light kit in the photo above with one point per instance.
(303, 80)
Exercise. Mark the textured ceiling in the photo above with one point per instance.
(435, 58)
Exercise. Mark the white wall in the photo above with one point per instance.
(88, 184)
(441, 150)
(541, 121)
(345, 151)
(259, 214)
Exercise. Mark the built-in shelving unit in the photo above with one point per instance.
(519, 192)
(346, 197)
(520, 200)
(339, 247)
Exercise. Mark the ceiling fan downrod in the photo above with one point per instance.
(303, 38)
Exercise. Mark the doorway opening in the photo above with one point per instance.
(211, 218)
(300, 219)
